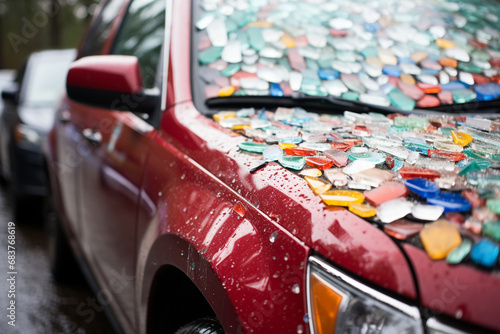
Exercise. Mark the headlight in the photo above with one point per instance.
(436, 327)
(23, 133)
(339, 304)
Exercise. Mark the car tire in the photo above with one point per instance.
(202, 326)
(62, 262)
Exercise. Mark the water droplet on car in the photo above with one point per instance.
(296, 289)
(300, 329)
(273, 236)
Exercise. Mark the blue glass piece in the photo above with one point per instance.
(430, 71)
(433, 56)
(328, 74)
(262, 114)
(462, 163)
(487, 92)
(422, 187)
(295, 121)
(452, 202)
(371, 27)
(292, 140)
(485, 253)
(454, 85)
(276, 90)
(392, 70)
(406, 60)
(398, 164)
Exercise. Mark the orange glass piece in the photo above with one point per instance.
(429, 89)
(239, 209)
(496, 78)
(260, 24)
(449, 156)
(288, 40)
(300, 151)
(386, 192)
(342, 197)
(319, 162)
(444, 43)
(460, 138)
(313, 172)
(226, 91)
(342, 146)
(407, 78)
(362, 210)
(414, 173)
(440, 238)
(317, 185)
(448, 62)
(224, 115)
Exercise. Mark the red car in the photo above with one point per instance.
(283, 167)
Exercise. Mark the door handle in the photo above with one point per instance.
(93, 136)
(65, 117)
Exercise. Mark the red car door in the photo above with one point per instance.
(111, 171)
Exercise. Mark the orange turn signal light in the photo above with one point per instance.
(325, 305)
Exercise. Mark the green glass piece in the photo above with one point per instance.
(311, 64)
(310, 80)
(472, 154)
(460, 252)
(401, 121)
(492, 229)
(493, 205)
(314, 91)
(490, 180)
(417, 123)
(376, 158)
(284, 62)
(231, 25)
(475, 165)
(445, 130)
(292, 162)
(256, 39)
(469, 68)
(252, 147)
(324, 63)
(240, 92)
(369, 52)
(240, 17)
(205, 20)
(480, 55)
(230, 69)
(495, 157)
(463, 95)
(350, 96)
(243, 38)
(401, 101)
(209, 55)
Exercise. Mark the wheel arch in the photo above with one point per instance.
(178, 279)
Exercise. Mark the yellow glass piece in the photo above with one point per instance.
(444, 43)
(288, 40)
(407, 78)
(224, 115)
(461, 138)
(226, 91)
(440, 238)
(260, 24)
(325, 305)
(241, 127)
(313, 172)
(287, 145)
(362, 210)
(342, 197)
(317, 185)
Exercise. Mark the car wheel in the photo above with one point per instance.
(62, 263)
(202, 326)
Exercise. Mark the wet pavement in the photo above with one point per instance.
(41, 305)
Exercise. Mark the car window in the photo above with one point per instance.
(141, 35)
(99, 33)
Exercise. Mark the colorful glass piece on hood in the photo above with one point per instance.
(319, 163)
(362, 210)
(272, 153)
(317, 185)
(485, 253)
(460, 252)
(423, 187)
(252, 147)
(422, 173)
(342, 197)
(339, 157)
(293, 162)
(300, 151)
(386, 192)
(427, 212)
(403, 229)
(312, 172)
(393, 210)
(452, 202)
(439, 239)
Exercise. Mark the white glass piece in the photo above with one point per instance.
(335, 87)
(409, 68)
(358, 166)
(427, 212)
(437, 31)
(412, 157)
(336, 177)
(444, 78)
(428, 79)
(232, 52)
(217, 32)
(369, 83)
(375, 99)
(458, 54)
(272, 153)
(271, 52)
(466, 78)
(316, 40)
(271, 35)
(340, 23)
(371, 70)
(254, 83)
(205, 20)
(316, 146)
(394, 210)
(269, 74)
(295, 80)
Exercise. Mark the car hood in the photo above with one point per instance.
(463, 291)
(41, 118)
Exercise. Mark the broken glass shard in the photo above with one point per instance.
(403, 229)
(342, 197)
(386, 192)
(423, 187)
(460, 252)
(317, 185)
(252, 147)
(427, 212)
(293, 162)
(452, 202)
(400, 100)
(319, 162)
(439, 239)
(485, 253)
(393, 210)
(217, 32)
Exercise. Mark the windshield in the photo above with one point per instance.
(399, 54)
(46, 82)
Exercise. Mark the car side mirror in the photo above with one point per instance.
(11, 93)
(111, 82)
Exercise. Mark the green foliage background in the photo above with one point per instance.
(66, 21)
